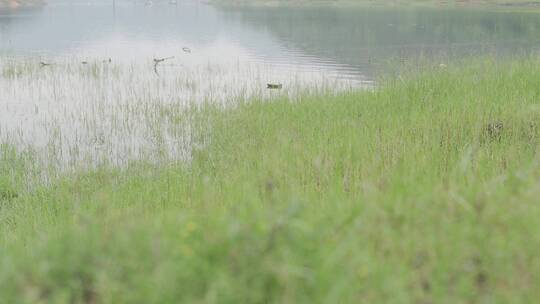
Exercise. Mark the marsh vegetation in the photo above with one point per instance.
(423, 189)
(388, 160)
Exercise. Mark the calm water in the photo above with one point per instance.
(74, 113)
(332, 42)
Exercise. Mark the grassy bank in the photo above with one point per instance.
(507, 5)
(425, 190)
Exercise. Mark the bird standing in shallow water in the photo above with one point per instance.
(158, 61)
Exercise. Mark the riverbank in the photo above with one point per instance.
(424, 190)
(17, 4)
(505, 5)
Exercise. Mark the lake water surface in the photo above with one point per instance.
(333, 43)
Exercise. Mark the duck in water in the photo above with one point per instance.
(274, 86)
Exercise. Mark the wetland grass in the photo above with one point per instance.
(112, 112)
(423, 190)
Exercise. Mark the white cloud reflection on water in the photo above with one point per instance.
(77, 114)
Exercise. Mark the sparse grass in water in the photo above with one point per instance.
(424, 190)
(106, 112)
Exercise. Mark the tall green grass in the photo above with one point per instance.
(424, 190)
(112, 112)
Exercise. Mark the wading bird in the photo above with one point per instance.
(158, 61)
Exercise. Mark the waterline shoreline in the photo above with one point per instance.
(509, 6)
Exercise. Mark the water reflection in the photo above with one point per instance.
(360, 38)
(344, 43)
